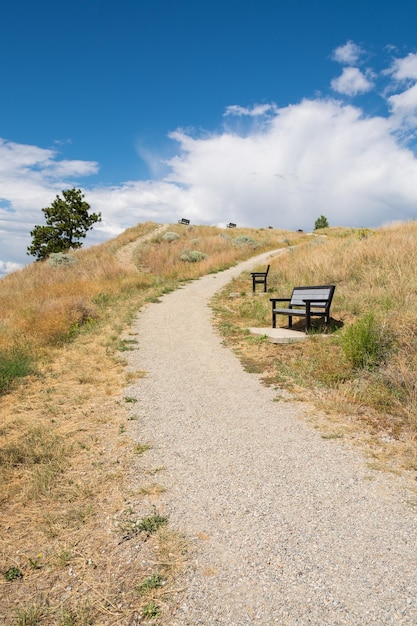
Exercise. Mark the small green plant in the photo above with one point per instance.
(140, 448)
(130, 399)
(63, 557)
(13, 573)
(152, 582)
(367, 343)
(126, 345)
(35, 563)
(151, 523)
(130, 526)
(151, 610)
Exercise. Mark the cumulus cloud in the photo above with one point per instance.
(30, 177)
(405, 68)
(348, 54)
(267, 165)
(351, 82)
(403, 104)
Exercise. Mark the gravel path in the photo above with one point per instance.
(285, 527)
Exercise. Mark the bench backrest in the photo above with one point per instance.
(324, 292)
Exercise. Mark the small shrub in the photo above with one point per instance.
(61, 259)
(367, 342)
(193, 256)
(169, 236)
(151, 524)
(243, 240)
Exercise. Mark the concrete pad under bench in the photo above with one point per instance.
(280, 335)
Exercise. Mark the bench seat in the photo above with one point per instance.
(310, 301)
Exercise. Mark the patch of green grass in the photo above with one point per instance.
(151, 610)
(15, 363)
(152, 582)
(31, 616)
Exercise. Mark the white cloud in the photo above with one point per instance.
(349, 54)
(30, 177)
(404, 69)
(351, 82)
(8, 267)
(267, 166)
(255, 111)
(403, 105)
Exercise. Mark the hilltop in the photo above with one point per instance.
(66, 445)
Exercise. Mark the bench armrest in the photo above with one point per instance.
(273, 300)
(324, 300)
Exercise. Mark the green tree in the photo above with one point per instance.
(67, 221)
(321, 222)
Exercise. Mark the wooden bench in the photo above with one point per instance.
(184, 221)
(231, 225)
(259, 278)
(305, 302)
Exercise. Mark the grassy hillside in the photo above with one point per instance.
(78, 544)
(363, 371)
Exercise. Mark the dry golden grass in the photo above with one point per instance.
(68, 442)
(374, 274)
(69, 445)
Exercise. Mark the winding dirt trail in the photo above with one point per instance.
(285, 527)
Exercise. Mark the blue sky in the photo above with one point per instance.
(259, 112)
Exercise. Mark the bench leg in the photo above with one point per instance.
(274, 320)
(308, 317)
(289, 321)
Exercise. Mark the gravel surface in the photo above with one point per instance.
(285, 527)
